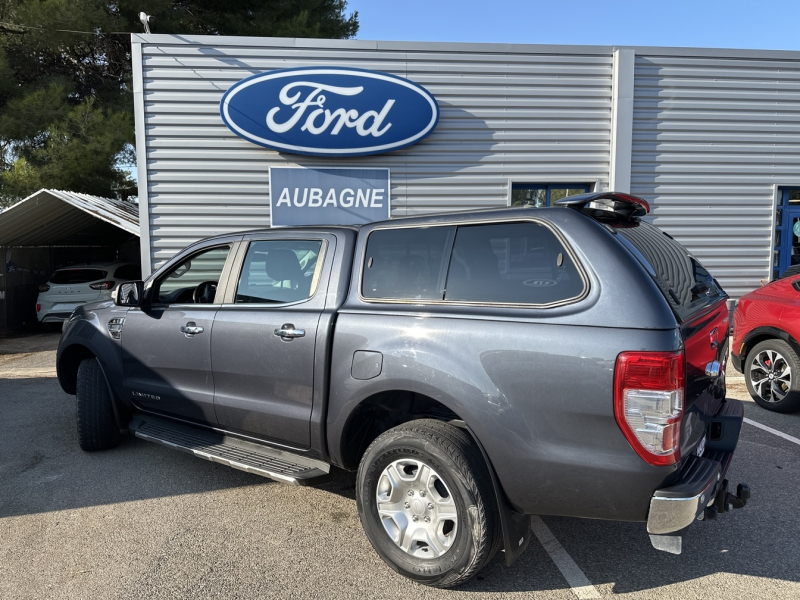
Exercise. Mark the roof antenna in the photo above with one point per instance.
(145, 19)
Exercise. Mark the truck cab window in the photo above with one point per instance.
(194, 280)
(279, 271)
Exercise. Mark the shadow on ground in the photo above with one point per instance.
(42, 470)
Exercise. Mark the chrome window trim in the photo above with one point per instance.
(422, 302)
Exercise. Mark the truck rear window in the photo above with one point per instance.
(684, 282)
(66, 276)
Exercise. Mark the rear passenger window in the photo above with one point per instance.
(511, 263)
(279, 271)
(407, 263)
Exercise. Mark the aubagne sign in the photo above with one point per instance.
(329, 111)
(328, 196)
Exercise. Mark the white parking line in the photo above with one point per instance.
(580, 584)
(780, 434)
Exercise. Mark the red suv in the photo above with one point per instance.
(766, 330)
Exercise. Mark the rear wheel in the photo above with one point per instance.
(97, 427)
(772, 373)
(426, 502)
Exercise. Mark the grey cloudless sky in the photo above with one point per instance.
(760, 24)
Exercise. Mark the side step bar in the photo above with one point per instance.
(231, 451)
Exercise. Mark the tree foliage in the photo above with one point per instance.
(66, 108)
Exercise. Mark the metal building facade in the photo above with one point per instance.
(707, 136)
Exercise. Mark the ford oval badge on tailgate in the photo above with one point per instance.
(329, 111)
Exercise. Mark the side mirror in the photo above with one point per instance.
(129, 293)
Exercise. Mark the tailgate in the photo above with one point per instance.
(705, 338)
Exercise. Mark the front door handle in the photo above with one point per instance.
(191, 328)
(288, 332)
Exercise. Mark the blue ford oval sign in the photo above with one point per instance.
(329, 111)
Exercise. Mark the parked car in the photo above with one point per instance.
(474, 368)
(68, 288)
(766, 330)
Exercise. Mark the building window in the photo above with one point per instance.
(540, 195)
(786, 252)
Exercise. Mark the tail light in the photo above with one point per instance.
(38, 308)
(44, 288)
(648, 403)
(103, 285)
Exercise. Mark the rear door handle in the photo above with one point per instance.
(288, 332)
(191, 328)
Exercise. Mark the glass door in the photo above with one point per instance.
(786, 252)
(541, 195)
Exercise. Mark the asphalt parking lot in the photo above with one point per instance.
(142, 521)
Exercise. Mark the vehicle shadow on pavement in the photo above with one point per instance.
(42, 468)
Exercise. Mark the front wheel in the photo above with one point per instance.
(426, 502)
(772, 373)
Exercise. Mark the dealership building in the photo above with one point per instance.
(710, 138)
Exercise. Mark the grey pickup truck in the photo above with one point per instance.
(474, 368)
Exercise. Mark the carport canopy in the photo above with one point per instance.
(59, 218)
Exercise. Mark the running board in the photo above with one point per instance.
(233, 452)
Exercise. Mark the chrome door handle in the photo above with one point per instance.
(191, 328)
(288, 332)
(713, 368)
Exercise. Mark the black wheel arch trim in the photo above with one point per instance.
(81, 338)
(768, 332)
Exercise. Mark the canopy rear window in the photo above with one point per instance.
(685, 283)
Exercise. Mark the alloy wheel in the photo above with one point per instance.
(770, 375)
(416, 508)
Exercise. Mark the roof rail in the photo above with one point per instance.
(608, 205)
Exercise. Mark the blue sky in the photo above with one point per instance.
(763, 24)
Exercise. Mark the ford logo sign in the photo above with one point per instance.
(329, 111)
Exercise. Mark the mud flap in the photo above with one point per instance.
(516, 526)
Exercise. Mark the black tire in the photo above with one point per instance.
(97, 427)
(777, 394)
(455, 458)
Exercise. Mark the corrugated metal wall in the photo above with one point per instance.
(505, 115)
(714, 133)
(712, 137)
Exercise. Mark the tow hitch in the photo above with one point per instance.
(726, 501)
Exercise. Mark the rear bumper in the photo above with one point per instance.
(701, 489)
(676, 507)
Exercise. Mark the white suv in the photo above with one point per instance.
(72, 286)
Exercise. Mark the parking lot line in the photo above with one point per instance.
(580, 584)
(785, 436)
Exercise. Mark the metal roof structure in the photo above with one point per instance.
(56, 217)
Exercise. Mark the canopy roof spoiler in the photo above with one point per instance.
(608, 205)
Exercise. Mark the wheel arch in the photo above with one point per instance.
(69, 360)
(383, 410)
(761, 334)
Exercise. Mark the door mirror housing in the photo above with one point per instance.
(129, 293)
